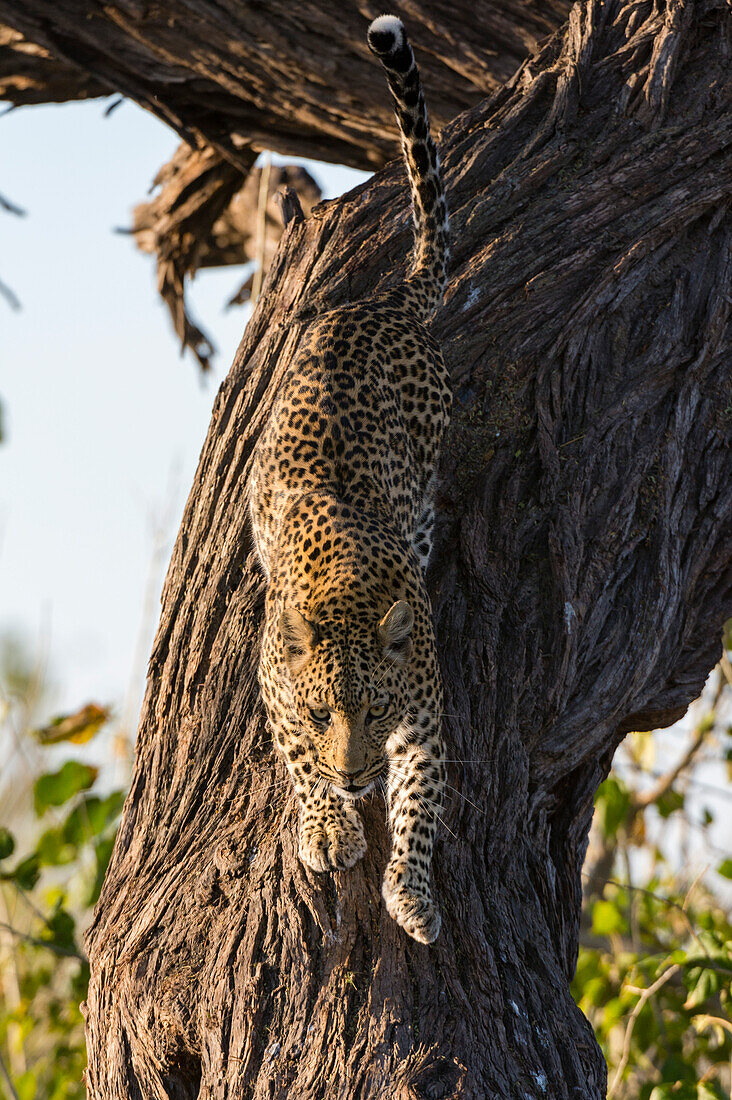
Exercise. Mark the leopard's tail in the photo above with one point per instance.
(428, 272)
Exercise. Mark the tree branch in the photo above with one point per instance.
(642, 1002)
(239, 76)
(29, 74)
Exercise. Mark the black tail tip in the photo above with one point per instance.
(386, 36)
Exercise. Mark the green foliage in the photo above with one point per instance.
(7, 843)
(612, 806)
(654, 971)
(608, 917)
(25, 874)
(47, 893)
(679, 1033)
(55, 788)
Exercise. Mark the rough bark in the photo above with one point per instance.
(30, 74)
(233, 238)
(296, 78)
(581, 575)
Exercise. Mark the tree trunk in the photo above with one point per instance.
(295, 78)
(581, 575)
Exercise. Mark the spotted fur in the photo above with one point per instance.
(341, 495)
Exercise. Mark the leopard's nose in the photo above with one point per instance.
(349, 781)
(349, 775)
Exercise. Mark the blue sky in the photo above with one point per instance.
(104, 420)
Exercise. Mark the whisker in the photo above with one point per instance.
(449, 787)
(435, 814)
(378, 668)
(389, 666)
(403, 774)
(415, 794)
(376, 686)
(270, 788)
(382, 784)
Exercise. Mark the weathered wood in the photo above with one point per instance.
(582, 571)
(296, 78)
(30, 74)
(205, 215)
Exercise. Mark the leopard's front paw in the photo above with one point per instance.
(409, 902)
(333, 843)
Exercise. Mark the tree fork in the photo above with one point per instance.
(580, 579)
(264, 76)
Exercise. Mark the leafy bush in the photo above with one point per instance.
(48, 892)
(655, 962)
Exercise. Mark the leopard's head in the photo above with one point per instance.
(350, 689)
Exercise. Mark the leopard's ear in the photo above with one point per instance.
(299, 637)
(395, 631)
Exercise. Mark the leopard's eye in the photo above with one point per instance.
(319, 714)
(378, 710)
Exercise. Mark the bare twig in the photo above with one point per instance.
(10, 296)
(67, 952)
(261, 228)
(642, 1000)
(7, 1079)
(11, 207)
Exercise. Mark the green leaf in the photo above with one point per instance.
(675, 1089)
(7, 843)
(26, 874)
(725, 868)
(55, 788)
(709, 1090)
(669, 802)
(595, 991)
(25, 1085)
(53, 850)
(607, 918)
(613, 803)
(614, 1011)
(716, 946)
(60, 928)
(702, 983)
(91, 817)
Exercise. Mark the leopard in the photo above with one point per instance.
(342, 505)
